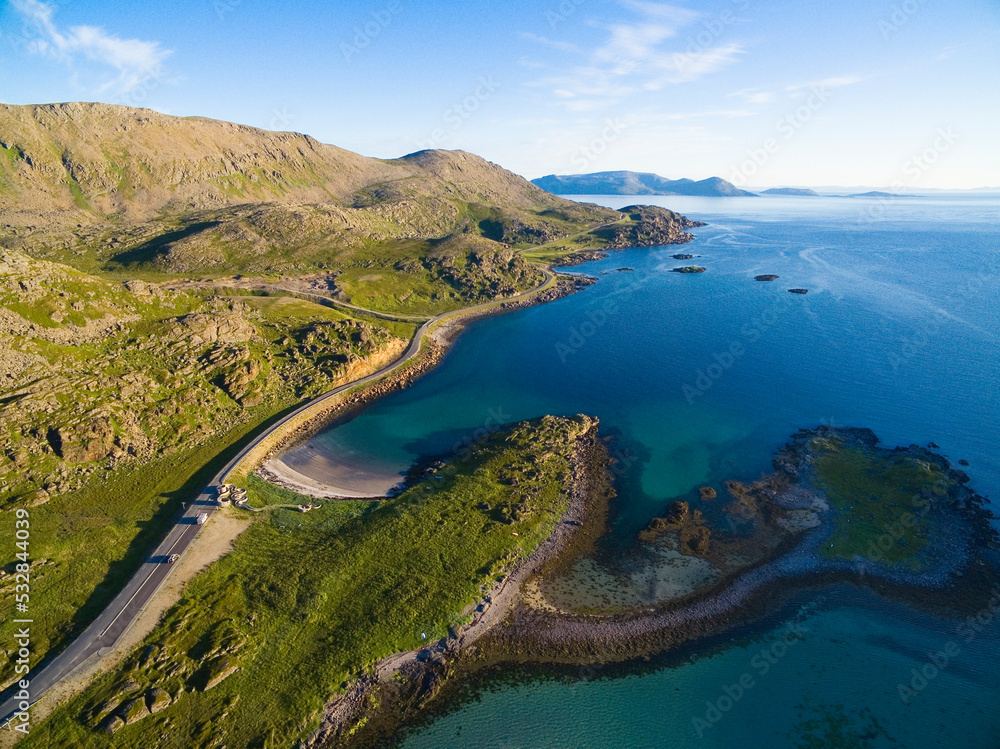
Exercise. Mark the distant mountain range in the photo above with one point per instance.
(646, 183)
(791, 191)
(637, 183)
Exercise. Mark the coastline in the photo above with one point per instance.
(532, 635)
(437, 340)
(399, 686)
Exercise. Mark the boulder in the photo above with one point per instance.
(158, 699)
(133, 710)
(111, 724)
(91, 440)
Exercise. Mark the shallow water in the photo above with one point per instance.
(701, 377)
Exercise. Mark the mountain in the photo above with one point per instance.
(804, 191)
(636, 183)
(135, 193)
(127, 186)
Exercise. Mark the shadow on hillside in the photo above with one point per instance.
(149, 252)
(151, 532)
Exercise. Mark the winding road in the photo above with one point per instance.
(101, 635)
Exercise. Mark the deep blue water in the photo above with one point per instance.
(702, 377)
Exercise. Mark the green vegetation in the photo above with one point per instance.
(120, 402)
(307, 602)
(86, 545)
(872, 494)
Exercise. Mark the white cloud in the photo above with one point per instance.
(645, 54)
(133, 60)
(824, 84)
(754, 96)
(555, 44)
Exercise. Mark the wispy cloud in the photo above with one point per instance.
(644, 54)
(799, 89)
(133, 60)
(753, 96)
(555, 44)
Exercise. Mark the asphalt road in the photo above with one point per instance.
(120, 614)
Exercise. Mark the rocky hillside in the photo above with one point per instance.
(95, 374)
(133, 185)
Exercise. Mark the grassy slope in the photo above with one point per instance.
(306, 602)
(98, 526)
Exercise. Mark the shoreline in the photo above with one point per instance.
(535, 636)
(438, 339)
(377, 703)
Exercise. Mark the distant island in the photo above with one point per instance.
(880, 194)
(637, 183)
(804, 191)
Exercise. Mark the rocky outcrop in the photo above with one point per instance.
(219, 671)
(85, 442)
(687, 527)
(650, 226)
(158, 699)
(133, 710)
(216, 327)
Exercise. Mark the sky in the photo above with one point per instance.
(894, 93)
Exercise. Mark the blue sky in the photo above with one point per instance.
(762, 93)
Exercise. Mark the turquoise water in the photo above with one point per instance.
(701, 378)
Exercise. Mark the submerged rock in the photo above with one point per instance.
(798, 291)
(766, 277)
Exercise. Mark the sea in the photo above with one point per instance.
(699, 378)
